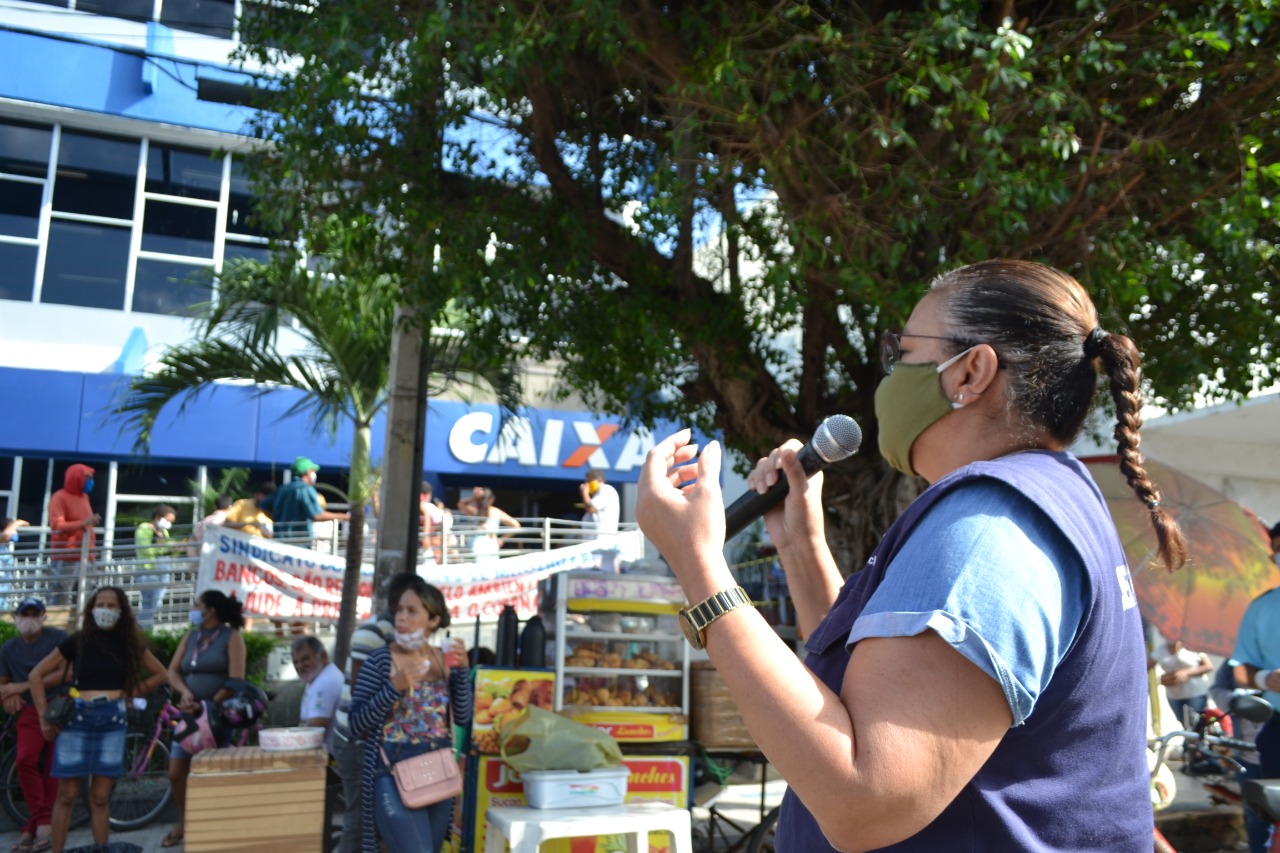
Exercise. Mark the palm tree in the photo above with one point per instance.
(341, 363)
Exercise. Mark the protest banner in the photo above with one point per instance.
(276, 580)
(481, 589)
(289, 582)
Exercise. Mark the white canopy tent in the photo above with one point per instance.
(1234, 448)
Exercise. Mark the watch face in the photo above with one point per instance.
(692, 634)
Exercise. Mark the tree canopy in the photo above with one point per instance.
(710, 210)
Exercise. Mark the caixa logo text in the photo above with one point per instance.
(547, 443)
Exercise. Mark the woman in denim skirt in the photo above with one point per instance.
(111, 664)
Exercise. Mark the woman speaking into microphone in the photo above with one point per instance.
(980, 684)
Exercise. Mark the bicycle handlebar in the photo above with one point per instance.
(1208, 739)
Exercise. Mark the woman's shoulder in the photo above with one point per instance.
(378, 656)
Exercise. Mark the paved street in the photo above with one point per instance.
(1192, 823)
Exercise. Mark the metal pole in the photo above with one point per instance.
(83, 577)
(113, 506)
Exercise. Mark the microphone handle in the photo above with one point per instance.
(751, 505)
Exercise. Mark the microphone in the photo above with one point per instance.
(836, 438)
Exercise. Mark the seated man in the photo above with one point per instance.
(324, 685)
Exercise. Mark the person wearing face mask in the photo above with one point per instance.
(152, 538)
(109, 664)
(983, 676)
(206, 660)
(18, 657)
(71, 521)
(295, 506)
(8, 538)
(375, 633)
(600, 504)
(405, 702)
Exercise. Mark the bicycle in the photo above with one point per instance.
(141, 794)
(1203, 746)
(11, 797)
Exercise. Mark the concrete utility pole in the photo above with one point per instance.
(398, 522)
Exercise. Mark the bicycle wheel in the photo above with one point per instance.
(15, 804)
(143, 791)
(762, 835)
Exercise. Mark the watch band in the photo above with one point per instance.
(702, 614)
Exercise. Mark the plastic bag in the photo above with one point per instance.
(556, 743)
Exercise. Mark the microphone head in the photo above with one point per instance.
(838, 437)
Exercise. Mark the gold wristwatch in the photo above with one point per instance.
(694, 620)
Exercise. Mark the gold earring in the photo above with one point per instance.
(960, 397)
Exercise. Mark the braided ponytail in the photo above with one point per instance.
(1121, 361)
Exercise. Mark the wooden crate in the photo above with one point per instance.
(713, 715)
(249, 800)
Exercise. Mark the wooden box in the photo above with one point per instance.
(714, 716)
(248, 800)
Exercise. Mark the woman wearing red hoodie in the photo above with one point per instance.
(71, 518)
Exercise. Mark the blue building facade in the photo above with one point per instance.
(121, 174)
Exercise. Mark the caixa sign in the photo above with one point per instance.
(549, 444)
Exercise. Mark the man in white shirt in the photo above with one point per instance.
(324, 685)
(601, 504)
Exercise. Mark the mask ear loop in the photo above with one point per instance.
(958, 404)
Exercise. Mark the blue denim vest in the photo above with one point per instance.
(1073, 776)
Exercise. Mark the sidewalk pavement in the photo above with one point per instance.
(148, 838)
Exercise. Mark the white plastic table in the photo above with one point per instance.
(527, 828)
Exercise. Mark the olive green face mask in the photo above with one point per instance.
(909, 401)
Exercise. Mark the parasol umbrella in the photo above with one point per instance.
(1229, 556)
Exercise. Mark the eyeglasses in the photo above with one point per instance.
(891, 346)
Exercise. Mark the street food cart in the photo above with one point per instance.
(620, 665)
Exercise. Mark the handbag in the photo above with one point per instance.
(425, 779)
(61, 708)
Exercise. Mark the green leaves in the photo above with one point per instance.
(701, 209)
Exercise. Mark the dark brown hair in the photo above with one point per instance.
(227, 609)
(431, 596)
(1044, 327)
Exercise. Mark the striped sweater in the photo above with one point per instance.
(372, 698)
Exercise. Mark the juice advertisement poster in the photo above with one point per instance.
(652, 778)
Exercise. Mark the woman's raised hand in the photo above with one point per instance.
(799, 518)
(408, 671)
(679, 506)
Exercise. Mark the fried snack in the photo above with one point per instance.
(543, 694)
(521, 694)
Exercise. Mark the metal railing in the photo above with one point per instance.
(160, 578)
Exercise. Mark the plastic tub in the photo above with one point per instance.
(284, 739)
(570, 789)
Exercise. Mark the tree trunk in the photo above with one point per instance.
(358, 488)
(862, 497)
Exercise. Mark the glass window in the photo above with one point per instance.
(20, 208)
(97, 175)
(183, 172)
(179, 229)
(24, 149)
(86, 265)
(134, 10)
(240, 215)
(165, 287)
(17, 271)
(250, 251)
(212, 17)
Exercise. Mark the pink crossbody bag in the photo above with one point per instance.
(426, 779)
